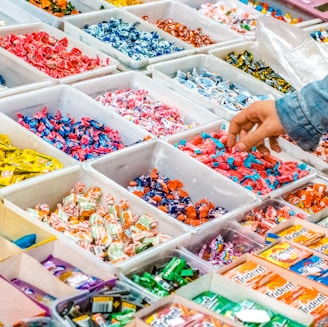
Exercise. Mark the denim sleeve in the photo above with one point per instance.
(304, 114)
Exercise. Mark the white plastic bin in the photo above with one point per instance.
(72, 102)
(310, 158)
(147, 264)
(74, 27)
(165, 73)
(254, 215)
(83, 301)
(242, 241)
(10, 14)
(191, 114)
(84, 6)
(72, 43)
(320, 28)
(218, 284)
(254, 48)
(52, 190)
(183, 14)
(20, 76)
(243, 8)
(224, 125)
(315, 216)
(174, 164)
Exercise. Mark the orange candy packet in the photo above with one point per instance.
(284, 254)
(250, 274)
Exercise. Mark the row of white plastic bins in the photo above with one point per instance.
(134, 42)
(241, 16)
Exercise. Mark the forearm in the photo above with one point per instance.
(304, 114)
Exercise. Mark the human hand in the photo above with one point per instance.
(253, 124)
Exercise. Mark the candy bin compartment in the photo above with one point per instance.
(43, 158)
(187, 177)
(19, 77)
(203, 290)
(114, 296)
(75, 27)
(96, 63)
(153, 273)
(265, 183)
(73, 104)
(176, 113)
(174, 310)
(182, 14)
(270, 55)
(11, 15)
(83, 6)
(221, 101)
(253, 48)
(20, 231)
(319, 32)
(8, 249)
(26, 269)
(311, 197)
(317, 159)
(52, 192)
(289, 11)
(222, 244)
(270, 213)
(240, 15)
(93, 272)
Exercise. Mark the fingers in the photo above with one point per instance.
(255, 123)
(254, 138)
(239, 126)
(274, 144)
(243, 122)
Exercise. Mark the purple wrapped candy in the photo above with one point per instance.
(71, 275)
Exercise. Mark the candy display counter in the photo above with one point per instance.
(120, 203)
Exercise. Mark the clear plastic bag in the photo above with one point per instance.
(291, 51)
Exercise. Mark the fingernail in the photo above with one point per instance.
(241, 146)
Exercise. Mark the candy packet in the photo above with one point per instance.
(70, 275)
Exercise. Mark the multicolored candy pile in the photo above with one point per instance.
(131, 40)
(169, 196)
(49, 54)
(260, 70)
(215, 87)
(258, 173)
(137, 106)
(83, 140)
(112, 232)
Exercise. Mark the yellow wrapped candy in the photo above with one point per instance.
(17, 165)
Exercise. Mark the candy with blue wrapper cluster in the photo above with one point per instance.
(131, 40)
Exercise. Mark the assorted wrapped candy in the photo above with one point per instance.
(169, 196)
(20, 164)
(129, 39)
(111, 231)
(84, 139)
(137, 106)
(59, 8)
(50, 55)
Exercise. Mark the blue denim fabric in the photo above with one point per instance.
(304, 114)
